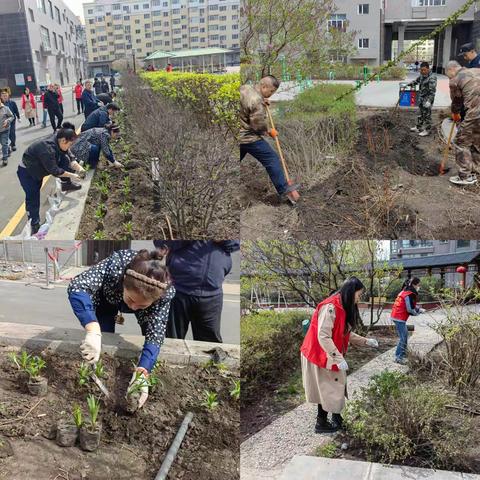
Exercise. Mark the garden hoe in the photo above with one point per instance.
(444, 170)
(294, 195)
(100, 384)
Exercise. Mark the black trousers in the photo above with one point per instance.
(204, 313)
(79, 105)
(55, 116)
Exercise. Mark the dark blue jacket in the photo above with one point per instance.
(13, 108)
(97, 119)
(475, 63)
(90, 102)
(199, 267)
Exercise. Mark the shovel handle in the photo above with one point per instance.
(279, 148)
(447, 149)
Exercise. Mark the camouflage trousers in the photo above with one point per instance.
(467, 147)
(424, 119)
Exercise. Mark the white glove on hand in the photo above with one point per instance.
(138, 388)
(343, 365)
(421, 310)
(117, 164)
(91, 347)
(427, 104)
(372, 342)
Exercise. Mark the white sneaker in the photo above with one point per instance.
(415, 129)
(425, 133)
(470, 180)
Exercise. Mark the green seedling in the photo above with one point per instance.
(104, 189)
(126, 188)
(21, 361)
(235, 392)
(83, 374)
(99, 235)
(125, 208)
(99, 369)
(35, 366)
(210, 401)
(139, 382)
(100, 211)
(128, 226)
(221, 367)
(77, 416)
(93, 408)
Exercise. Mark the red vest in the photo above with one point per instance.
(399, 309)
(311, 349)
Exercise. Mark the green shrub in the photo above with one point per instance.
(397, 420)
(215, 98)
(270, 344)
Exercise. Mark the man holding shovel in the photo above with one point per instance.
(465, 90)
(254, 126)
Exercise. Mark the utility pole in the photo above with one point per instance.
(134, 62)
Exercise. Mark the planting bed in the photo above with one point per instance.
(132, 446)
(389, 187)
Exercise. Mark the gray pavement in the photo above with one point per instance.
(11, 194)
(29, 304)
(265, 455)
(382, 94)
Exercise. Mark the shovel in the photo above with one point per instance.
(443, 170)
(100, 384)
(295, 194)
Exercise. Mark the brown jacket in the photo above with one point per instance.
(465, 90)
(253, 115)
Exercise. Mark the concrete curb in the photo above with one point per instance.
(67, 340)
(67, 221)
(316, 468)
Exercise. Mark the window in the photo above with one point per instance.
(41, 6)
(363, 43)
(338, 21)
(32, 18)
(363, 9)
(146, 6)
(50, 7)
(428, 3)
(45, 35)
(463, 243)
(117, 6)
(62, 45)
(57, 14)
(55, 40)
(90, 12)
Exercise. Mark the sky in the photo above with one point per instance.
(76, 6)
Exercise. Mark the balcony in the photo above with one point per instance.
(45, 49)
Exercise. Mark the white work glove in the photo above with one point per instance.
(343, 365)
(117, 164)
(139, 387)
(427, 104)
(421, 310)
(91, 347)
(372, 342)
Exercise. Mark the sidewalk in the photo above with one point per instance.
(265, 454)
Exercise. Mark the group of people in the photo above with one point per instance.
(178, 284)
(465, 109)
(331, 331)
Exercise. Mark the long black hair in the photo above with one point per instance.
(67, 132)
(347, 294)
(409, 285)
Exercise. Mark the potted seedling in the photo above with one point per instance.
(90, 432)
(67, 432)
(135, 390)
(83, 374)
(125, 210)
(37, 385)
(21, 362)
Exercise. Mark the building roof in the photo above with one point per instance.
(446, 260)
(194, 52)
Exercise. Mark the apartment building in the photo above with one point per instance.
(42, 42)
(385, 28)
(123, 28)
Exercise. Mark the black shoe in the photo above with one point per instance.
(14, 148)
(70, 186)
(337, 420)
(35, 228)
(5, 162)
(324, 426)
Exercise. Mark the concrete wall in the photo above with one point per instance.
(402, 10)
(366, 26)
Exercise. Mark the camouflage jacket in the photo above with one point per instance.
(465, 90)
(253, 115)
(428, 87)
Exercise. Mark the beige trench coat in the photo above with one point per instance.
(322, 385)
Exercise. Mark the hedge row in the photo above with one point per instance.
(214, 98)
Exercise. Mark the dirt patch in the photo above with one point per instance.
(132, 446)
(388, 188)
(285, 396)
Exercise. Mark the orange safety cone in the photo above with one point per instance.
(293, 196)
